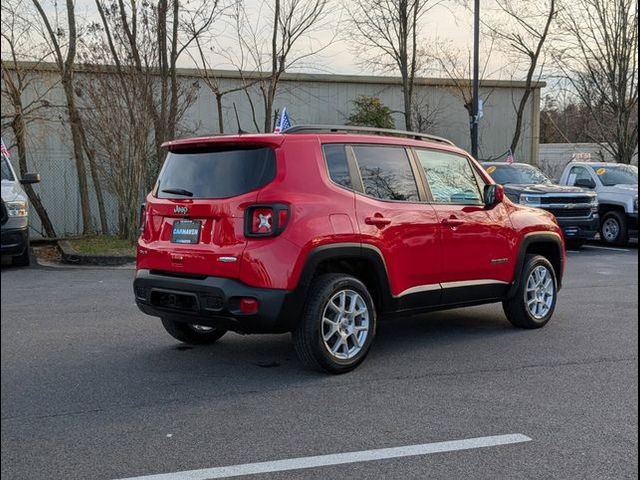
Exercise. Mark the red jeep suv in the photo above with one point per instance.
(320, 231)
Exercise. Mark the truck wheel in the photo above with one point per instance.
(535, 301)
(192, 333)
(614, 229)
(23, 260)
(338, 325)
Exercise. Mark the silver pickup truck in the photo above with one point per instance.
(15, 211)
(617, 189)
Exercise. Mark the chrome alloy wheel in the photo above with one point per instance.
(540, 292)
(345, 324)
(611, 229)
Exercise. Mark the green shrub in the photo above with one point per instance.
(371, 112)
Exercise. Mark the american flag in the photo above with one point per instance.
(5, 151)
(284, 123)
(510, 158)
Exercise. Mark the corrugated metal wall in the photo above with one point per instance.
(310, 99)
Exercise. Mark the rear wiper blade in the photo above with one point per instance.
(178, 191)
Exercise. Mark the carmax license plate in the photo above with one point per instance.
(186, 231)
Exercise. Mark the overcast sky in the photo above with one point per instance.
(448, 22)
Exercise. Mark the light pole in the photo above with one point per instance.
(475, 115)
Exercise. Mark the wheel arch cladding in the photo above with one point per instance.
(364, 262)
(546, 244)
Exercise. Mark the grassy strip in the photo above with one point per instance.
(102, 245)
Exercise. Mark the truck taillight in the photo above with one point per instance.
(266, 220)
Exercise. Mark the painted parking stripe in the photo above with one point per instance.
(338, 458)
(611, 249)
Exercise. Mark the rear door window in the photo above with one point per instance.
(579, 173)
(337, 164)
(451, 178)
(215, 174)
(386, 172)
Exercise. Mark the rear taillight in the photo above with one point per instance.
(266, 220)
(143, 217)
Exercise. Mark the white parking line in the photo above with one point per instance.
(612, 249)
(338, 458)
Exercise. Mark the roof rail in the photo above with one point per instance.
(372, 130)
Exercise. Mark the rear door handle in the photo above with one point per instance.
(377, 220)
(452, 222)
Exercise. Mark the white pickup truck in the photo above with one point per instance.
(617, 189)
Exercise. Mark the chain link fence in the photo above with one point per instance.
(60, 194)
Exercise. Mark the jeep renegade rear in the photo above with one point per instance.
(321, 231)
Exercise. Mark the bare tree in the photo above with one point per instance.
(119, 132)
(425, 114)
(598, 57)
(65, 62)
(149, 39)
(132, 99)
(387, 35)
(455, 64)
(23, 101)
(203, 62)
(522, 29)
(273, 46)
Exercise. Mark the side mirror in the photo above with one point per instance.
(493, 195)
(29, 178)
(585, 183)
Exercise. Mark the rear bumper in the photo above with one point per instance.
(211, 301)
(580, 228)
(14, 239)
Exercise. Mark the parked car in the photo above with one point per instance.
(575, 208)
(617, 188)
(15, 214)
(320, 231)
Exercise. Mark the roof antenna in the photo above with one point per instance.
(240, 131)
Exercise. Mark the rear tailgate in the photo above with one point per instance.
(195, 216)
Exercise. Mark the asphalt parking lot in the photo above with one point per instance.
(92, 388)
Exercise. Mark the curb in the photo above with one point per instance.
(73, 257)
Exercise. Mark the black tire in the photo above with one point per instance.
(23, 260)
(187, 333)
(516, 309)
(308, 334)
(622, 226)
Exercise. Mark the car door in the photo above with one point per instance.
(394, 217)
(477, 241)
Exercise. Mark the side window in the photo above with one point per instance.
(386, 173)
(451, 178)
(337, 164)
(577, 174)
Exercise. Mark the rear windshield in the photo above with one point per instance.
(215, 174)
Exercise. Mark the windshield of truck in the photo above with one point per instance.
(517, 174)
(611, 175)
